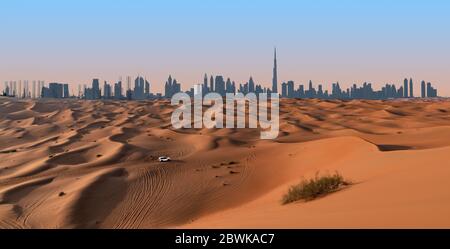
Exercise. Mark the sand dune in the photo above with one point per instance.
(83, 164)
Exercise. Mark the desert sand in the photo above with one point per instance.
(85, 164)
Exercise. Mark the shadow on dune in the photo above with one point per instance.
(390, 147)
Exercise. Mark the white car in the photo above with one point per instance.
(164, 159)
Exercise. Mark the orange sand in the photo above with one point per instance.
(101, 157)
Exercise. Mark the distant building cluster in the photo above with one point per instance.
(218, 85)
(141, 90)
(37, 89)
(215, 84)
(56, 91)
(389, 91)
(289, 90)
(171, 87)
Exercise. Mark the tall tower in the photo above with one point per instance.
(96, 89)
(39, 89)
(34, 89)
(405, 89)
(423, 90)
(205, 81)
(411, 88)
(20, 90)
(275, 74)
(211, 82)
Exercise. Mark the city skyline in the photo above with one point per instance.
(216, 84)
(75, 88)
(323, 41)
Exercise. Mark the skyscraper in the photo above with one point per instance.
(54, 90)
(139, 88)
(431, 91)
(66, 91)
(168, 88)
(205, 84)
(33, 95)
(106, 90)
(423, 88)
(251, 85)
(171, 87)
(118, 89)
(405, 89)
(39, 89)
(275, 74)
(220, 85)
(229, 86)
(25, 89)
(6, 89)
(211, 82)
(96, 94)
(411, 88)
(19, 90)
(320, 92)
(198, 90)
(15, 89)
(284, 91)
(147, 88)
(290, 89)
(128, 83)
(301, 91)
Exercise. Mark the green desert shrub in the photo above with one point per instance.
(314, 188)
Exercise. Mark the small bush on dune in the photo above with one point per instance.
(314, 188)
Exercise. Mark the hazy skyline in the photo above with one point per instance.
(324, 41)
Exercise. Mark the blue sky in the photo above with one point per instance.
(323, 40)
